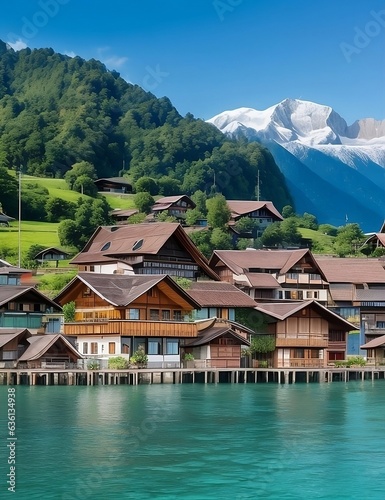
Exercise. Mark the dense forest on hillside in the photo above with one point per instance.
(56, 111)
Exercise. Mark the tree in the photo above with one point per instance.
(8, 193)
(220, 239)
(143, 202)
(272, 236)
(148, 185)
(289, 231)
(81, 173)
(328, 229)
(218, 212)
(58, 209)
(136, 218)
(192, 216)
(247, 225)
(349, 238)
(308, 221)
(288, 211)
(200, 199)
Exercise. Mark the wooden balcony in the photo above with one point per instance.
(336, 346)
(133, 328)
(302, 341)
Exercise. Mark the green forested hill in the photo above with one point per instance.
(56, 111)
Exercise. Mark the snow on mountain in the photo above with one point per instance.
(350, 159)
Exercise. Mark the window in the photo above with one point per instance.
(94, 348)
(177, 315)
(153, 292)
(337, 336)
(132, 314)
(314, 353)
(85, 347)
(380, 324)
(138, 244)
(106, 246)
(154, 314)
(154, 346)
(172, 346)
(87, 292)
(166, 316)
(111, 347)
(298, 353)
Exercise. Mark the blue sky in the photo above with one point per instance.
(208, 56)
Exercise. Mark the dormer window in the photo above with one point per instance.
(138, 244)
(106, 246)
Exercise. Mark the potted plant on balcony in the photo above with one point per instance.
(188, 360)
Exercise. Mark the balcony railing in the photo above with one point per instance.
(306, 363)
(302, 341)
(134, 328)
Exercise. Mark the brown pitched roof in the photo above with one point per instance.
(39, 345)
(116, 180)
(219, 294)
(121, 290)
(241, 208)
(374, 237)
(55, 250)
(262, 280)
(8, 334)
(112, 243)
(283, 310)
(377, 342)
(173, 199)
(344, 292)
(352, 270)
(281, 261)
(12, 292)
(218, 330)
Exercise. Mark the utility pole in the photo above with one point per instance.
(19, 235)
(257, 185)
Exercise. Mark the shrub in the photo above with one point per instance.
(118, 363)
(69, 312)
(139, 357)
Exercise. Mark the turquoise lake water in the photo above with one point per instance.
(196, 442)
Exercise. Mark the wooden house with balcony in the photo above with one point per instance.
(13, 275)
(157, 248)
(357, 292)
(272, 274)
(25, 307)
(175, 206)
(119, 185)
(307, 335)
(20, 349)
(117, 314)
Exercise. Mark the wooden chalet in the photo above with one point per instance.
(307, 334)
(115, 314)
(376, 240)
(264, 212)
(272, 274)
(51, 254)
(357, 293)
(175, 206)
(25, 307)
(157, 248)
(122, 216)
(375, 350)
(218, 344)
(113, 185)
(19, 348)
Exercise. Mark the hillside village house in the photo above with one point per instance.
(264, 212)
(376, 240)
(272, 274)
(307, 334)
(51, 254)
(357, 293)
(175, 206)
(25, 307)
(113, 185)
(157, 248)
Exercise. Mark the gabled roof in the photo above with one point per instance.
(352, 270)
(282, 310)
(376, 237)
(218, 330)
(54, 250)
(112, 243)
(241, 208)
(118, 212)
(280, 261)
(262, 280)
(116, 180)
(122, 290)
(40, 344)
(8, 334)
(167, 201)
(219, 294)
(377, 342)
(5, 218)
(14, 270)
(12, 292)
